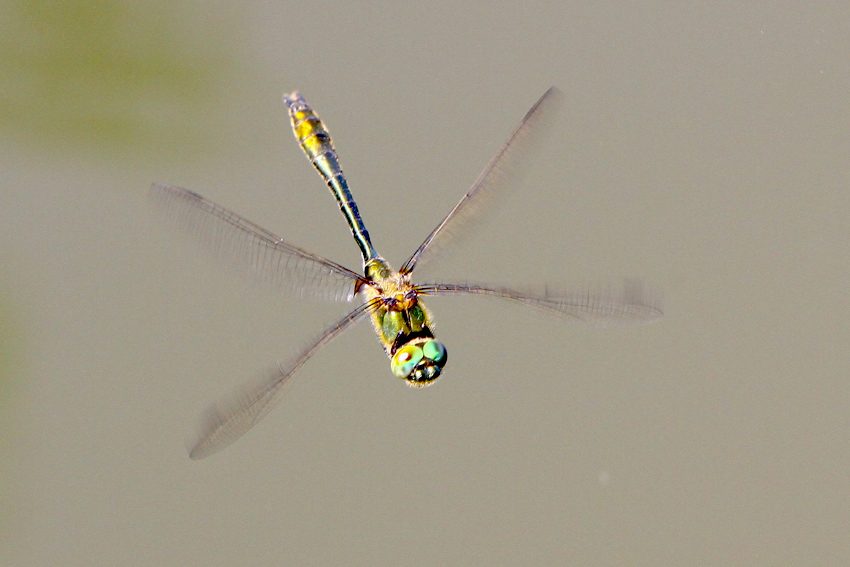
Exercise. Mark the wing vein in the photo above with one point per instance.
(603, 304)
(503, 170)
(230, 419)
(267, 257)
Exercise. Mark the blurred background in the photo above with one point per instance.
(702, 148)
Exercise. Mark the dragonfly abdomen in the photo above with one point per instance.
(317, 144)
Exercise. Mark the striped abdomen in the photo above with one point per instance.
(317, 144)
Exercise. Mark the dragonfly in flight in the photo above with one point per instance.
(388, 297)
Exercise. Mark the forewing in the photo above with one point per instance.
(503, 171)
(603, 304)
(267, 257)
(230, 419)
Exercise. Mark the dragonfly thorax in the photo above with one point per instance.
(403, 324)
(391, 289)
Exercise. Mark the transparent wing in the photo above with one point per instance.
(503, 170)
(607, 304)
(230, 419)
(268, 257)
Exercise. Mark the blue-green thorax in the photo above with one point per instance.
(403, 324)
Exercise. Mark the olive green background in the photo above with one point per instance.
(702, 147)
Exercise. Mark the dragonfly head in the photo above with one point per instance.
(420, 361)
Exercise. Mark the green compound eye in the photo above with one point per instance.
(436, 351)
(405, 359)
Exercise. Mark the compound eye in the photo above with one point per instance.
(405, 360)
(436, 351)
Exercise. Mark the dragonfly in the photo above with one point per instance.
(389, 298)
